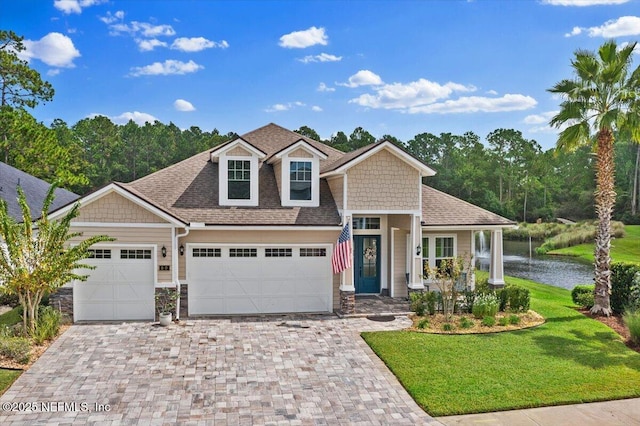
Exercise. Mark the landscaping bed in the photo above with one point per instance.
(467, 324)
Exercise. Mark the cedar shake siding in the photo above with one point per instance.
(114, 208)
(383, 182)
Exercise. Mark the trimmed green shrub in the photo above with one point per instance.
(16, 348)
(482, 286)
(488, 321)
(632, 320)
(634, 294)
(514, 320)
(48, 324)
(447, 326)
(503, 321)
(622, 280)
(503, 299)
(423, 323)
(582, 295)
(417, 304)
(485, 305)
(518, 298)
(469, 297)
(466, 322)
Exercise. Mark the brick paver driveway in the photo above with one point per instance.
(313, 370)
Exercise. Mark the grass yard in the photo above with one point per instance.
(625, 249)
(569, 359)
(7, 377)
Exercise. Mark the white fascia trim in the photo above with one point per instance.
(382, 212)
(300, 144)
(241, 142)
(440, 228)
(424, 170)
(266, 228)
(122, 225)
(84, 201)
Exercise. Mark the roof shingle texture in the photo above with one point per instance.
(34, 189)
(441, 209)
(188, 190)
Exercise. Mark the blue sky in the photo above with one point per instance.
(392, 67)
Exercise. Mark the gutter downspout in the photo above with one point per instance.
(176, 274)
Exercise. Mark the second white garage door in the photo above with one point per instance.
(255, 279)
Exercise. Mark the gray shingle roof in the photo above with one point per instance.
(34, 189)
(441, 209)
(189, 190)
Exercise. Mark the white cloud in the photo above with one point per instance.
(138, 117)
(539, 118)
(284, 107)
(196, 44)
(323, 57)
(305, 38)
(148, 45)
(182, 105)
(111, 18)
(492, 92)
(574, 32)
(53, 72)
(74, 6)
(316, 108)
(413, 94)
(168, 67)
(324, 88)
(143, 28)
(54, 49)
(581, 3)
(508, 102)
(623, 26)
(363, 78)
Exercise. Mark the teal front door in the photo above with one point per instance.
(367, 263)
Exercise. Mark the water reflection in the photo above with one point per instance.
(559, 271)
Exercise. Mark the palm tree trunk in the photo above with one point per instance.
(605, 197)
(634, 195)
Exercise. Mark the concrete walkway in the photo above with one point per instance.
(610, 413)
(245, 371)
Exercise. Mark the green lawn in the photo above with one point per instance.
(625, 249)
(569, 359)
(7, 377)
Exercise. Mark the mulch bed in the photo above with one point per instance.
(615, 323)
(36, 352)
(437, 321)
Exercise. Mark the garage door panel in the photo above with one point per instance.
(225, 285)
(118, 289)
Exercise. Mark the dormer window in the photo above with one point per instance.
(300, 180)
(238, 164)
(239, 180)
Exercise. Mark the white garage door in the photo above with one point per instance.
(120, 288)
(254, 279)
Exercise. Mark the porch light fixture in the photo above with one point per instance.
(181, 250)
(418, 250)
(164, 251)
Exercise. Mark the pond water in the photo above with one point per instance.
(559, 271)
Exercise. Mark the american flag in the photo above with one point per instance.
(341, 258)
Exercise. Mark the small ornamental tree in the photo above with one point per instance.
(37, 257)
(445, 276)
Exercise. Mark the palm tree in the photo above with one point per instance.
(600, 97)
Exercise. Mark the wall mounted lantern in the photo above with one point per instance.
(164, 251)
(181, 250)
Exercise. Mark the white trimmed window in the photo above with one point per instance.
(238, 184)
(300, 182)
(437, 248)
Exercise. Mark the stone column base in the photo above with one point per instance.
(62, 300)
(347, 302)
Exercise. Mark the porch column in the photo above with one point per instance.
(415, 278)
(347, 286)
(496, 270)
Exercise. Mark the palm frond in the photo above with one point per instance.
(574, 136)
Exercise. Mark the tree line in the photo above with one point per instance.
(505, 173)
